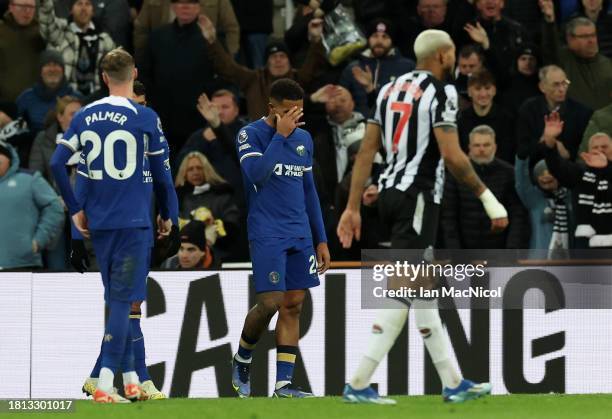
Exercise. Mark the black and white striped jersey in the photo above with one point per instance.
(407, 110)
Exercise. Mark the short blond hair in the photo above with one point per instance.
(118, 65)
(431, 41)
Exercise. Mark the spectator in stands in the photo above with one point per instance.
(530, 123)
(483, 111)
(176, 69)
(255, 84)
(20, 48)
(523, 83)
(380, 63)
(344, 126)
(465, 224)
(527, 13)
(217, 139)
(157, 13)
(31, 216)
(589, 71)
(57, 122)
(597, 11)
(601, 121)
(591, 189)
(430, 14)
(113, 15)
(14, 131)
(195, 251)
(500, 37)
(35, 103)
(255, 19)
(205, 196)
(471, 60)
(549, 206)
(81, 43)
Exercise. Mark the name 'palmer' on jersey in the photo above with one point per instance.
(407, 110)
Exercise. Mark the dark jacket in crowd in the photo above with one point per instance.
(384, 70)
(176, 71)
(500, 120)
(20, 49)
(42, 150)
(530, 127)
(591, 79)
(221, 152)
(464, 222)
(35, 103)
(518, 89)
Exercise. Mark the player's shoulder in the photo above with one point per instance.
(251, 131)
(303, 135)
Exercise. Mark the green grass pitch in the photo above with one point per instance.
(553, 406)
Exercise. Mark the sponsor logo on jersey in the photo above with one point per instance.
(301, 150)
(289, 170)
(242, 136)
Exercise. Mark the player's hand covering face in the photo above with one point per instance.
(287, 120)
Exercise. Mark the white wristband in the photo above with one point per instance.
(492, 206)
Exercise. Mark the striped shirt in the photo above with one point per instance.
(407, 110)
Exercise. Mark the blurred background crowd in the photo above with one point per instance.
(534, 79)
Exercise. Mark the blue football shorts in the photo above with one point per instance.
(283, 264)
(124, 256)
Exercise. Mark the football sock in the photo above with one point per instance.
(113, 347)
(127, 361)
(387, 326)
(430, 326)
(285, 362)
(95, 373)
(245, 348)
(138, 347)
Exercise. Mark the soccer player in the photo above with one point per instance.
(284, 220)
(415, 117)
(124, 157)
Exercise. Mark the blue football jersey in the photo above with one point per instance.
(116, 138)
(276, 190)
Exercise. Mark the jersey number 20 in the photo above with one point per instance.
(109, 154)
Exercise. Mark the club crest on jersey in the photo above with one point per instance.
(274, 277)
(301, 150)
(242, 136)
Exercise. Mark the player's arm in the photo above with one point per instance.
(315, 217)
(163, 187)
(66, 147)
(461, 168)
(349, 225)
(257, 164)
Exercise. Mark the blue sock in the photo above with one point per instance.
(127, 361)
(113, 347)
(246, 346)
(95, 373)
(138, 347)
(285, 362)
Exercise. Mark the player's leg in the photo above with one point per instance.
(269, 258)
(130, 248)
(149, 391)
(301, 275)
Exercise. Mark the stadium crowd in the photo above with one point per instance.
(534, 79)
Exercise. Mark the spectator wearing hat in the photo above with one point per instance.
(376, 66)
(177, 68)
(532, 114)
(195, 251)
(255, 84)
(20, 48)
(589, 71)
(35, 103)
(464, 222)
(484, 111)
(157, 13)
(31, 216)
(523, 83)
(80, 42)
